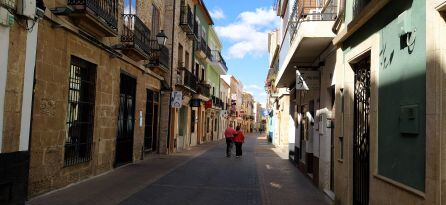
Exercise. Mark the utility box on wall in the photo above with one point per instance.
(26, 8)
(409, 119)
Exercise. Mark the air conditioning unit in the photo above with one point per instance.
(8, 4)
(315, 15)
(26, 8)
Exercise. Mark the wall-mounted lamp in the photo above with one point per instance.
(161, 38)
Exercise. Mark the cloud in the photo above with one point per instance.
(249, 32)
(217, 13)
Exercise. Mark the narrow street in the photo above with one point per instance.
(202, 175)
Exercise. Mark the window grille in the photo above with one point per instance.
(80, 116)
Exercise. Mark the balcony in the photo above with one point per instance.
(203, 91)
(219, 61)
(135, 38)
(203, 49)
(307, 35)
(187, 21)
(217, 102)
(98, 17)
(159, 58)
(186, 79)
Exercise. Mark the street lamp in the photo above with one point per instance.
(161, 38)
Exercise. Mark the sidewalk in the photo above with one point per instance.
(117, 185)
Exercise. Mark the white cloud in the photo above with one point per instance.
(249, 33)
(217, 14)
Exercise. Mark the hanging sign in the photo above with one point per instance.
(307, 80)
(208, 104)
(177, 99)
(234, 96)
(195, 102)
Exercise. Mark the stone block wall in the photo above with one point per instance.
(47, 171)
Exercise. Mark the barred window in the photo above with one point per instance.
(81, 97)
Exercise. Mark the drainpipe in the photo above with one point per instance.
(171, 74)
(337, 23)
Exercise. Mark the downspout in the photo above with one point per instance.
(171, 75)
(339, 19)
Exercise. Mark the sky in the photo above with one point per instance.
(243, 27)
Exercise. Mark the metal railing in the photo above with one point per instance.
(201, 45)
(186, 79)
(135, 32)
(159, 55)
(309, 10)
(217, 57)
(105, 10)
(204, 89)
(187, 20)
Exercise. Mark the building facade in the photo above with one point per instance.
(105, 110)
(365, 97)
(17, 66)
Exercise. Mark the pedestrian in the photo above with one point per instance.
(229, 135)
(239, 139)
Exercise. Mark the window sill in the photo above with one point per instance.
(401, 186)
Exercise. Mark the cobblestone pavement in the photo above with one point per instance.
(262, 176)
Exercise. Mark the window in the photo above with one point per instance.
(180, 55)
(197, 70)
(186, 60)
(202, 74)
(155, 21)
(151, 123)
(129, 6)
(80, 114)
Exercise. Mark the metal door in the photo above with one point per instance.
(126, 121)
(361, 133)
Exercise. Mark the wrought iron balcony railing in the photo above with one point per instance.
(218, 58)
(135, 33)
(159, 55)
(304, 11)
(105, 10)
(204, 89)
(186, 79)
(187, 20)
(202, 46)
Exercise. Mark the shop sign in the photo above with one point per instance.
(195, 102)
(177, 99)
(208, 104)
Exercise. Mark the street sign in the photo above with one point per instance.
(306, 80)
(177, 99)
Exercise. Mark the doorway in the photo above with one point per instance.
(151, 123)
(361, 132)
(126, 121)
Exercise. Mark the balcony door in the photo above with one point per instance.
(126, 121)
(151, 122)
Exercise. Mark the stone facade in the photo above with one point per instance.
(47, 169)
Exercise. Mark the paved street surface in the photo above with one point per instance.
(202, 175)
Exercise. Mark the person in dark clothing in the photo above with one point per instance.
(239, 139)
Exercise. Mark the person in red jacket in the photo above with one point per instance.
(229, 135)
(239, 139)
